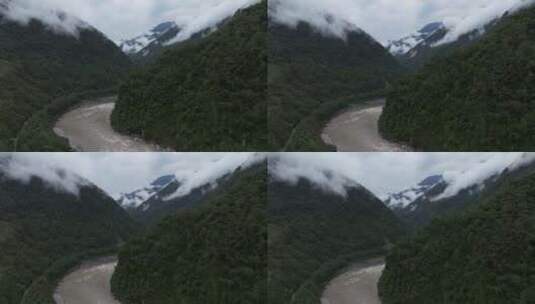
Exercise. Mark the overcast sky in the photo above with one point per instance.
(392, 19)
(384, 173)
(120, 19)
(124, 172)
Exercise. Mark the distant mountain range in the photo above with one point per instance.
(159, 35)
(147, 47)
(406, 197)
(404, 45)
(137, 197)
(155, 201)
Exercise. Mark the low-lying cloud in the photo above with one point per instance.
(24, 167)
(478, 173)
(23, 11)
(206, 15)
(459, 26)
(387, 20)
(384, 173)
(321, 171)
(210, 168)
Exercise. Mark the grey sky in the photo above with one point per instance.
(124, 172)
(383, 173)
(392, 19)
(120, 19)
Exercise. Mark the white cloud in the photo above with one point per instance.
(207, 14)
(392, 19)
(206, 168)
(478, 173)
(24, 168)
(125, 19)
(118, 173)
(463, 24)
(384, 173)
(23, 11)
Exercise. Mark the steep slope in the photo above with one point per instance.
(309, 72)
(215, 253)
(39, 69)
(314, 233)
(476, 98)
(208, 94)
(485, 255)
(44, 231)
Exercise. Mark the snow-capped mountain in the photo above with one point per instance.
(405, 44)
(136, 198)
(155, 35)
(404, 198)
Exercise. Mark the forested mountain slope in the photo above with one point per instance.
(215, 253)
(478, 98)
(485, 255)
(38, 67)
(44, 231)
(207, 94)
(309, 70)
(314, 233)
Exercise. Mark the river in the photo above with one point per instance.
(88, 284)
(357, 285)
(88, 129)
(357, 130)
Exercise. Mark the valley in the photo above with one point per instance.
(88, 284)
(357, 130)
(88, 129)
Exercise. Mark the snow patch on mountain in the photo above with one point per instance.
(136, 198)
(136, 44)
(406, 197)
(407, 43)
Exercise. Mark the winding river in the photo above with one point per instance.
(88, 129)
(89, 284)
(357, 285)
(357, 130)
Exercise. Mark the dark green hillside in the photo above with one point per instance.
(161, 206)
(38, 68)
(44, 232)
(204, 95)
(314, 234)
(486, 255)
(215, 253)
(309, 71)
(479, 98)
